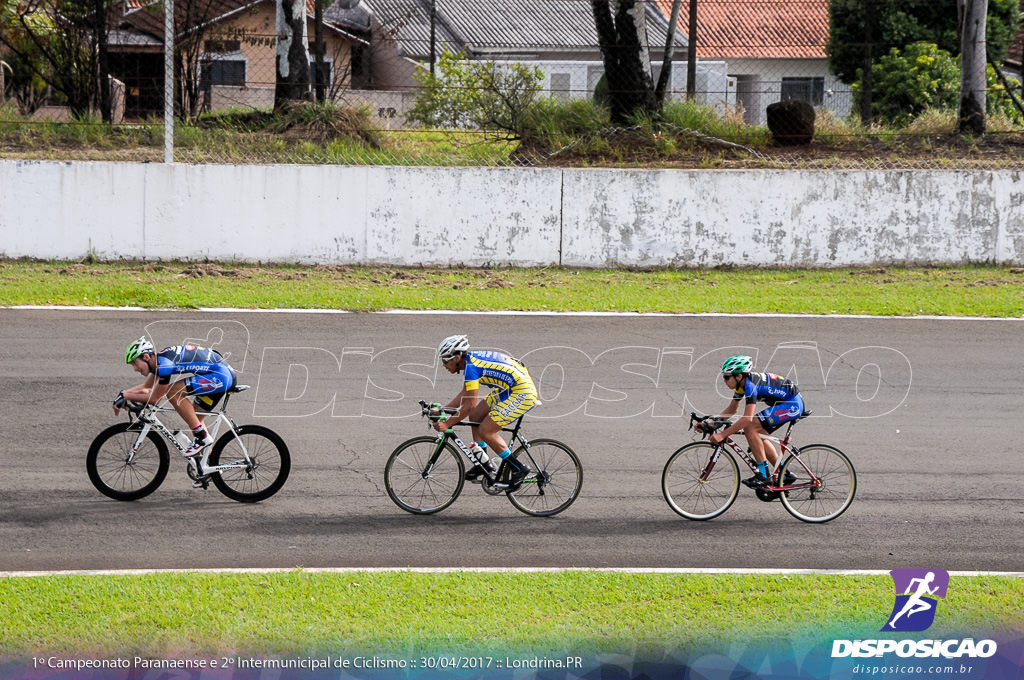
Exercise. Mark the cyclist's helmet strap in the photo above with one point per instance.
(737, 364)
(137, 349)
(452, 345)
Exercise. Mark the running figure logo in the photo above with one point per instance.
(917, 591)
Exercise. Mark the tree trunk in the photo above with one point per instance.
(103, 62)
(292, 57)
(867, 77)
(627, 63)
(972, 65)
(665, 77)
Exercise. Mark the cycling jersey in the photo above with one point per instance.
(781, 395)
(211, 375)
(512, 390)
(766, 387)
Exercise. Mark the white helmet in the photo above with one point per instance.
(452, 345)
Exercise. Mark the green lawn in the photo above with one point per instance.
(970, 291)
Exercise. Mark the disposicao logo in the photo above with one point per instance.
(917, 593)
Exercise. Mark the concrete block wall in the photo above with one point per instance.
(509, 216)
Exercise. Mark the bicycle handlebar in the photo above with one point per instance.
(435, 412)
(706, 424)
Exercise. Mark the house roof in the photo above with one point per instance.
(496, 27)
(146, 16)
(757, 29)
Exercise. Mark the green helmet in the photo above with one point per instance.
(137, 349)
(737, 364)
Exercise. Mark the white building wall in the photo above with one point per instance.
(765, 79)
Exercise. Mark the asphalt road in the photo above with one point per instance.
(926, 408)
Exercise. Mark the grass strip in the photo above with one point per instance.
(984, 291)
(308, 613)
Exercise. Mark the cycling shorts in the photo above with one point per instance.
(776, 415)
(208, 388)
(508, 405)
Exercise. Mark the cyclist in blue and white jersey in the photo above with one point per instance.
(512, 395)
(784, 404)
(209, 377)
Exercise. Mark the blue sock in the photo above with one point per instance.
(762, 469)
(482, 445)
(505, 456)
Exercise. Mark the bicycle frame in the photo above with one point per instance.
(785, 449)
(449, 435)
(150, 420)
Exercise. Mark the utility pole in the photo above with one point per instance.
(691, 54)
(433, 35)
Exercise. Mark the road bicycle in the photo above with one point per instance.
(701, 480)
(130, 460)
(426, 474)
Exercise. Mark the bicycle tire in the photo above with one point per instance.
(692, 498)
(833, 497)
(412, 488)
(555, 481)
(264, 474)
(114, 475)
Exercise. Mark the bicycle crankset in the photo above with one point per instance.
(766, 496)
(490, 488)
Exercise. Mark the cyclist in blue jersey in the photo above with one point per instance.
(209, 377)
(512, 394)
(783, 403)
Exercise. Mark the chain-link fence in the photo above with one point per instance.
(514, 82)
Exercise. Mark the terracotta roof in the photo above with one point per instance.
(756, 29)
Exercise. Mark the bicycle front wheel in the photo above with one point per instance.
(555, 481)
(256, 476)
(834, 491)
(422, 476)
(121, 474)
(694, 491)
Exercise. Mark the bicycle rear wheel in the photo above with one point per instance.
(118, 474)
(692, 496)
(261, 475)
(836, 488)
(555, 482)
(424, 477)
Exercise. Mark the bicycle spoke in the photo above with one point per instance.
(694, 495)
(555, 480)
(834, 491)
(414, 489)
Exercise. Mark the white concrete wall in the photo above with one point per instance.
(478, 217)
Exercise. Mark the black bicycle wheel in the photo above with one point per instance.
(834, 491)
(696, 497)
(555, 479)
(257, 476)
(120, 473)
(422, 479)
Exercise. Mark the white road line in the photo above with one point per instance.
(424, 312)
(486, 570)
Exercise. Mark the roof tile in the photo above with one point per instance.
(757, 29)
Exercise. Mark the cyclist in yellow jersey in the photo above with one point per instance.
(512, 395)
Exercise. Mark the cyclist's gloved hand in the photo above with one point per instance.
(119, 400)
